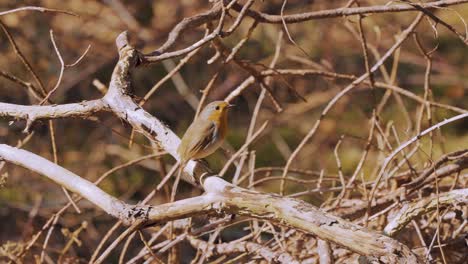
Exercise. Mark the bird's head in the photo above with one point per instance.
(215, 110)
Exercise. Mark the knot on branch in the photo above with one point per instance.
(135, 213)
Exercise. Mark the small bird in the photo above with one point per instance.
(206, 134)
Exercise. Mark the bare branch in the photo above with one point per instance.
(343, 12)
(387, 160)
(243, 246)
(411, 211)
(37, 8)
(223, 197)
(32, 113)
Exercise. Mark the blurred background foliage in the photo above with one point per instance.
(91, 148)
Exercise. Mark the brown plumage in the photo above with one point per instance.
(205, 134)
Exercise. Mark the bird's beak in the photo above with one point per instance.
(230, 105)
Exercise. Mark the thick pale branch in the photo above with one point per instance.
(225, 198)
(123, 105)
(231, 199)
(119, 209)
(116, 100)
(221, 197)
(36, 112)
(64, 178)
(307, 218)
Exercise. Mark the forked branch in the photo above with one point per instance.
(221, 197)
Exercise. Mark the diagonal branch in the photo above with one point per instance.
(341, 12)
(425, 206)
(221, 197)
(224, 198)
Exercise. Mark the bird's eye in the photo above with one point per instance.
(217, 107)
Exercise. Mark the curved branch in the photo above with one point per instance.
(157, 56)
(188, 23)
(307, 218)
(221, 197)
(460, 162)
(65, 178)
(214, 13)
(382, 171)
(425, 206)
(224, 198)
(123, 105)
(341, 12)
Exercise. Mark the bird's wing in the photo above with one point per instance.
(205, 136)
(202, 135)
